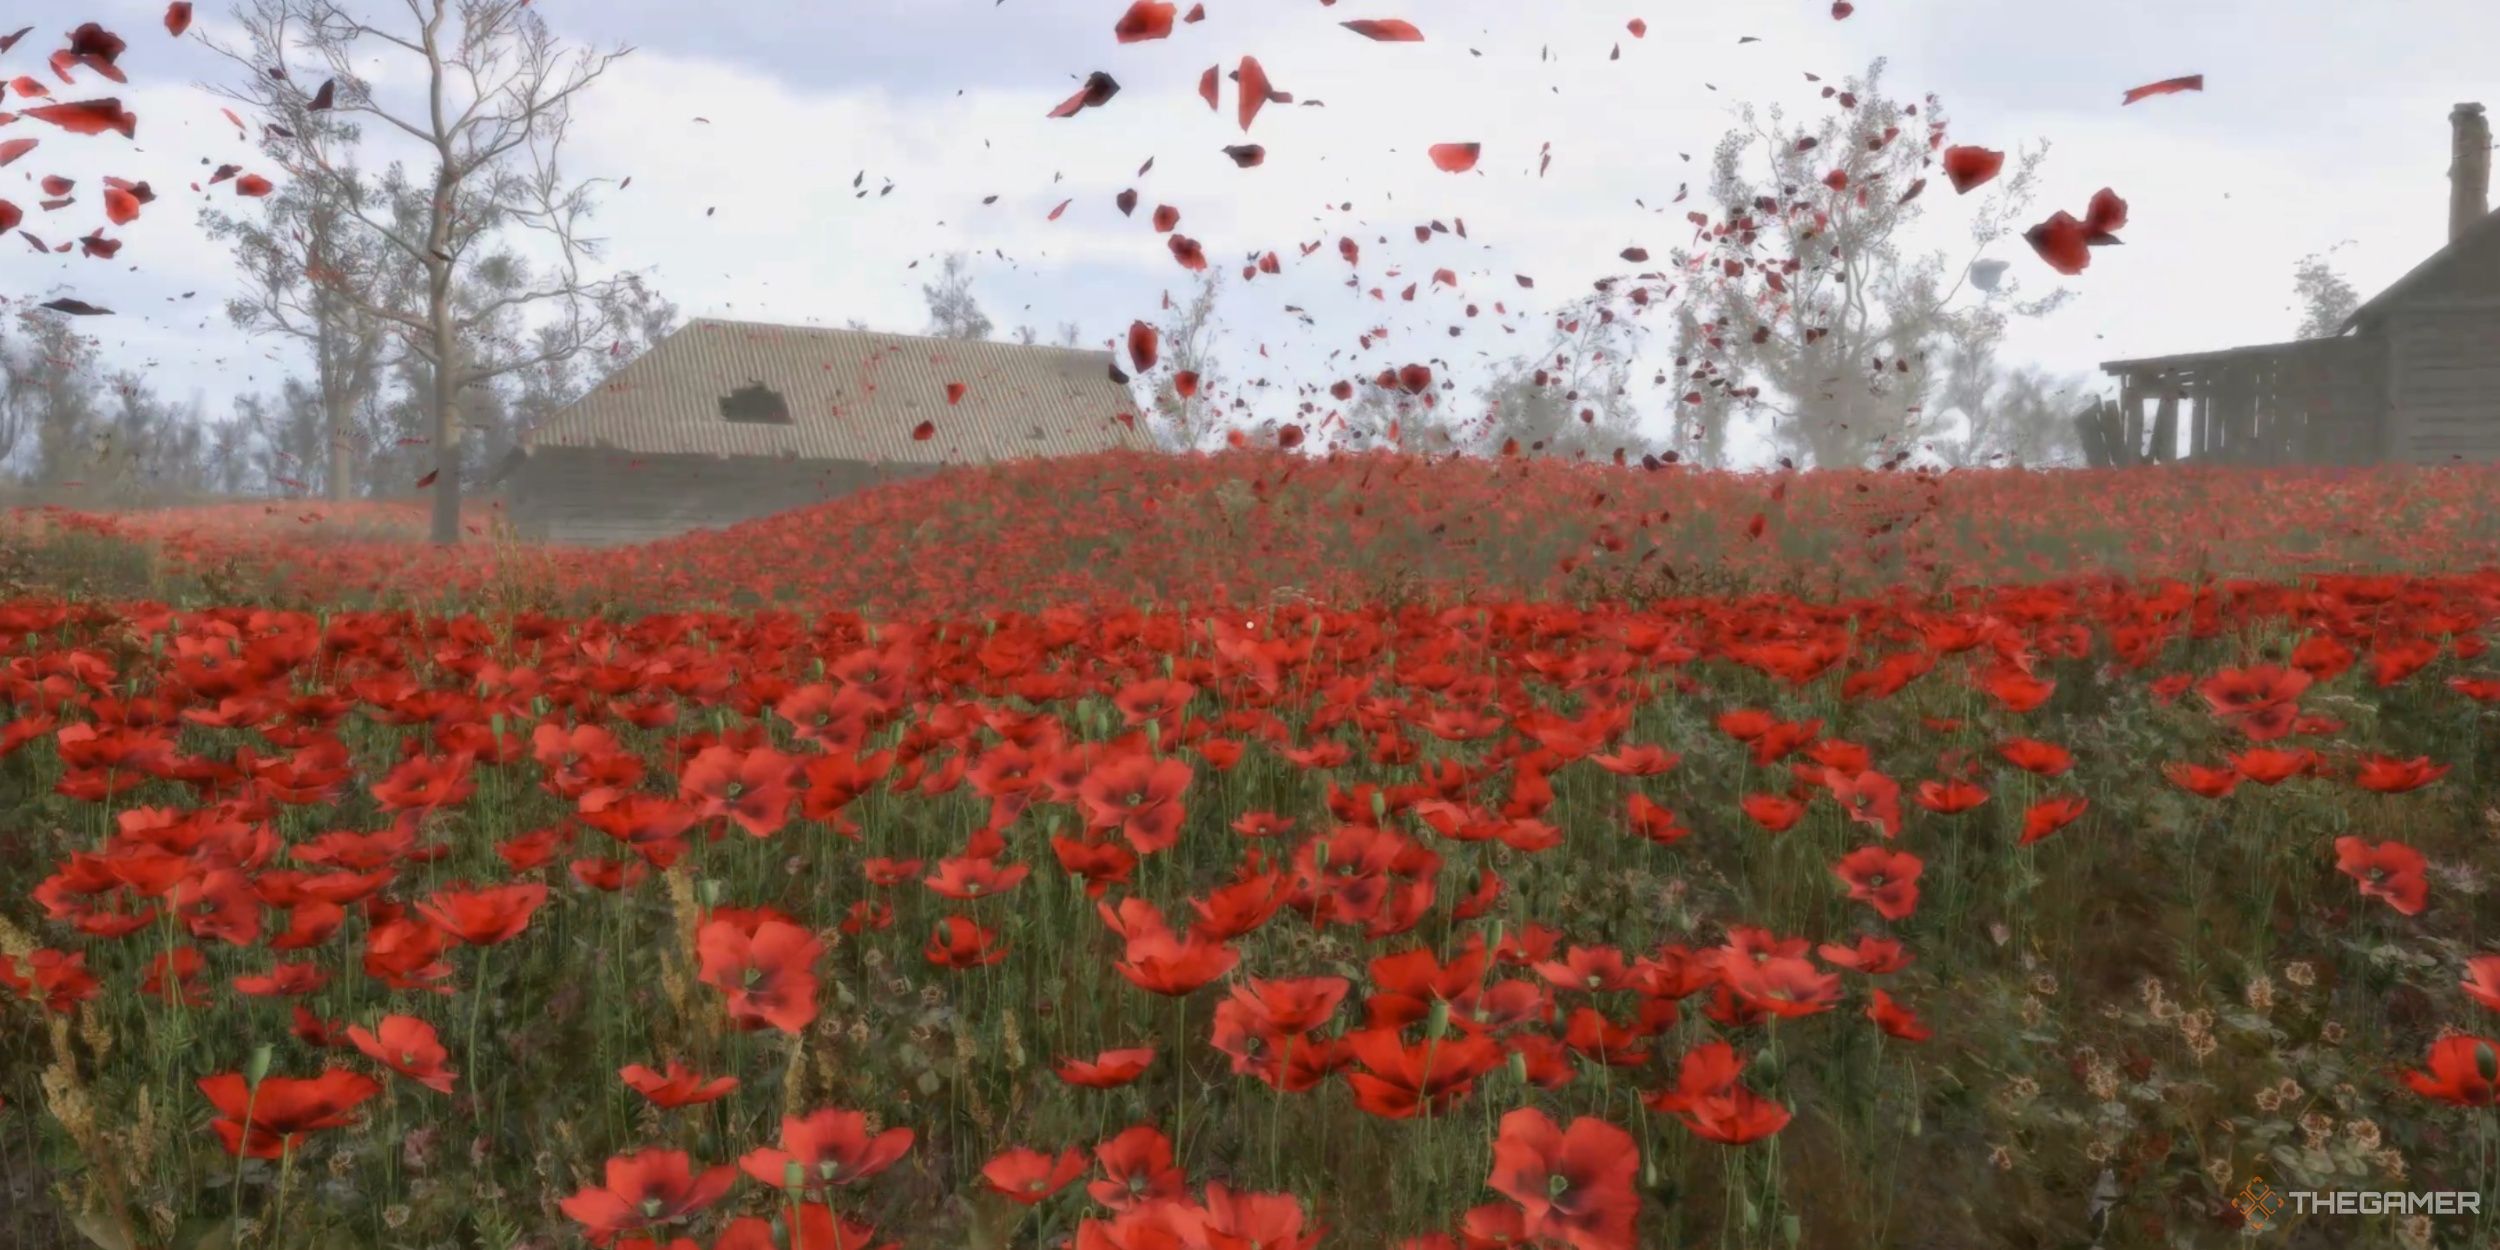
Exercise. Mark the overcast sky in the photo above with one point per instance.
(2323, 121)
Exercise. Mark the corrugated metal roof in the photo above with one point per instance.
(852, 395)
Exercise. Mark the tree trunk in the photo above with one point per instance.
(342, 456)
(442, 319)
(447, 386)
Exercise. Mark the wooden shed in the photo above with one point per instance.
(2411, 376)
(725, 421)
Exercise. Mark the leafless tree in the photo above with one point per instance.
(953, 312)
(487, 134)
(2325, 297)
(1189, 338)
(54, 388)
(1572, 401)
(2008, 415)
(301, 255)
(1805, 300)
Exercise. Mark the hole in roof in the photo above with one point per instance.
(756, 404)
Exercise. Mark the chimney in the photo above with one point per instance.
(2469, 174)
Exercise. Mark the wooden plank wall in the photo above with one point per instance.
(582, 497)
(2317, 402)
(2445, 375)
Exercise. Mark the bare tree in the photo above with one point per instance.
(2325, 297)
(54, 387)
(1071, 334)
(1573, 401)
(1802, 294)
(488, 132)
(953, 312)
(2016, 416)
(18, 393)
(308, 273)
(1189, 338)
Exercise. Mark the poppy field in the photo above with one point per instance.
(2018, 912)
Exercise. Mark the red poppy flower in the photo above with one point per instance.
(832, 1147)
(2482, 980)
(286, 980)
(749, 787)
(1239, 909)
(407, 954)
(769, 974)
(2383, 775)
(1138, 795)
(965, 878)
(644, 1190)
(1884, 879)
(1950, 797)
(959, 942)
(2212, 783)
(1109, 1070)
(1137, 1170)
(1028, 1175)
(1254, 1221)
(1158, 961)
(1399, 1081)
(484, 917)
(1572, 1185)
(817, 1226)
(2387, 870)
(2462, 1070)
(1870, 798)
(267, 1121)
(680, 1086)
(1775, 813)
(1783, 985)
(1299, 1005)
(1712, 1102)
(2051, 814)
(2269, 766)
(1874, 956)
(2034, 756)
(408, 1046)
(424, 783)
(1895, 1019)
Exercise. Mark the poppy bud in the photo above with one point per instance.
(1437, 1025)
(709, 891)
(1494, 937)
(1519, 1067)
(793, 1176)
(1380, 807)
(1319, 855)
(2486, 1063)
(258, 1068)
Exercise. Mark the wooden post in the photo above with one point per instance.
(2092, 432)
(2131, 422)
(2199, 406)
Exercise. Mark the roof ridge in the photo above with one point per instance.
(2429, 265)
(784, 326)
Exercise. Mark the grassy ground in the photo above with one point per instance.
(1389, 860)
